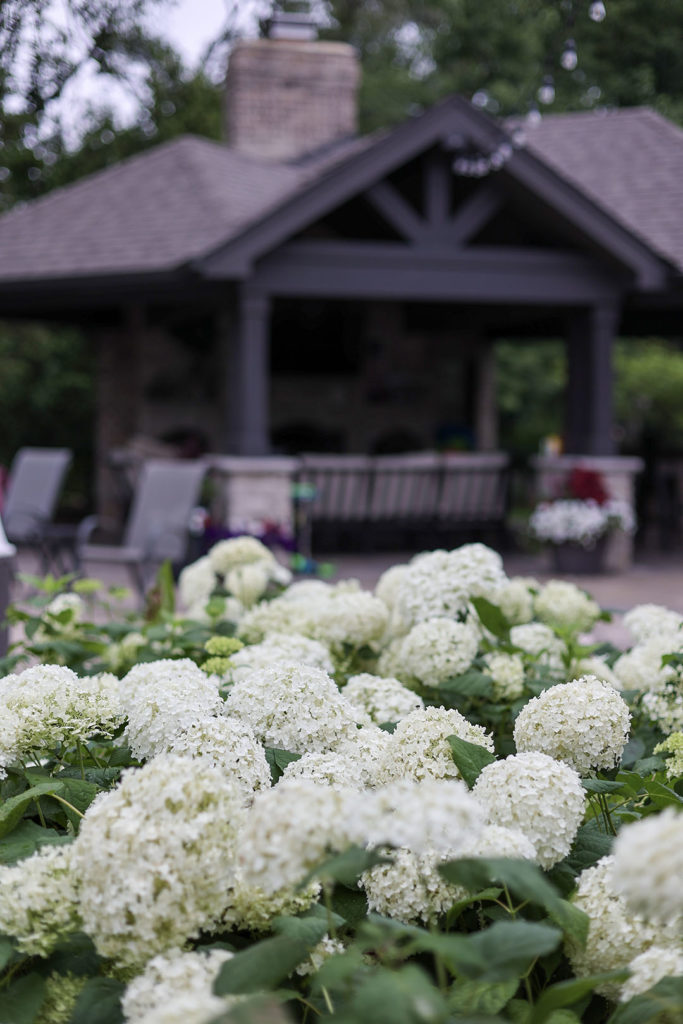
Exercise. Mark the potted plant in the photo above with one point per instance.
(578, 521)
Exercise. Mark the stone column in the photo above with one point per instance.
(589, 398)
(118, 405)
(485, 405)
(248, 374)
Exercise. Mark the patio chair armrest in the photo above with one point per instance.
(166, 542)
(85, 530)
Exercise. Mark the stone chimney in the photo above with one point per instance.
(291, 93)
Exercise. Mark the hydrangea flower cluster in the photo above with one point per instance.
(435, 814)
(507, 674)
(580, 521)
(175, 975)
(584, 723)
(418, 748)
(438, 649)
(648, 856)
(381, 699)
(155, 858)
(649, 967)
(46, 705)
(241, 565)
(615, 935)
(39, 900)
(439, 584)
(163, 699)
(294, 707)
(561, 603)
(536, 795)
(541, 642)
(280, 647)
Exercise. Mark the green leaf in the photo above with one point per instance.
(12, 810)
(525, 882)
(589, 846)
(501, 952)
(601, 786)
(6, 951)
(491, 617)
(665, 999)
(26, 838)
(264, 965)
(470, 759)
(472, 683)
(23, 999)
(99, 1002)
(468, 997)
(405, 996)
(566, 993)
(350, 904)
(278, 760)
(75, 954)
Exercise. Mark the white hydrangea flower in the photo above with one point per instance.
(238, 551)
(124, 653)
(293, 706)
(163, 699)
(418, 747)
(541, 642)
(649, 967)
(155, 857)
(538, 796)
(596, 665)
(248, 583)
(507, 673)
(196, 583)
(39, 900)
(581, 521)
(327, 769)
(390, 663)
(290, 828)
(72, 605)
(326, 948)
(232, 611)
(516, 599)
(647, 620)
(615, 936)
(665, 710)
(251, 909)
(648, 861)
(439, 649)
(561, 603)
(335, 616)
(411, 889)
(366, 748)
(227, 743)
(169, 976)
(433, 814)
(584, 723)
(49, 704)
(384, 699)
(280, 647)
(389, 584)
(641, 668)
(185, 1009)
(439, 584)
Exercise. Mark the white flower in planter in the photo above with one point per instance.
(580, 521)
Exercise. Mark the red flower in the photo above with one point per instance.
(586, 484)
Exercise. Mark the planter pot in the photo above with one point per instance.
(575, 560)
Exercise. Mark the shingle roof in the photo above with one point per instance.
(162, 208)
(152, 212)
(629, 162)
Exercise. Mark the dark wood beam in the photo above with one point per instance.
(391, 205)
(474, 213)
(419, 273)
(437, 188)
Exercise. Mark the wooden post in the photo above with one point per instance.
(118, 403)
(485, 405)
(248, 375)
(589, 397)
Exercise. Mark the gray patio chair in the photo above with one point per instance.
(157, 528)
(35, 482)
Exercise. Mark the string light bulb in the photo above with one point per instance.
(597, 11)
(569, 58)
(546, 93)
